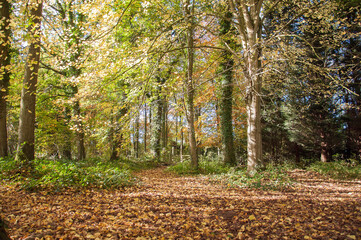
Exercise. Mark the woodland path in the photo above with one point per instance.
(166, 206)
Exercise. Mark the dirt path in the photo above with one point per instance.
(170, 207)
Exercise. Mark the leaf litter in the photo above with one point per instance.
(166, 206)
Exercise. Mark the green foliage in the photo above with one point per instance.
(49, 174)
(207, 165)
(274, 177)
(338, 169)
(139, 164)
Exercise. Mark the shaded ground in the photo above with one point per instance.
(170, 207)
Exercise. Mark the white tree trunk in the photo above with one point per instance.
(248, 23)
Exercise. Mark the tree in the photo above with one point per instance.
(305, 87)
(188, 8)
(66, 22)
(26, 139)
(3, 233)
(248, 22)
(4, 73)
(350, 71)
(155, 141)
(226, 82)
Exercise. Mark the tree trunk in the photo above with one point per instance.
(145, 129)
(66, 149)
(116, 144)
(136, 137)
(4, 73)
(80, 135)
(116, 137)
(157, 123)
(249, 29)
(165, 126)
(182, 139)
(325, 149)
(226, 79)
(254, 138)
(188, 12)
(28, 95)
(3, 233)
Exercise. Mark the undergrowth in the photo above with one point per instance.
(206, 166)
(338, 170)
(273, 177)
(58, 174)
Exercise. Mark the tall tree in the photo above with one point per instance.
(4, 73)
(26, 140)
(350, 66)
(226, 82)
(68, 20)
(249, 26)
(188, 8)
(157, 107)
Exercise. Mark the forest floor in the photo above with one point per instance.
(166, 206)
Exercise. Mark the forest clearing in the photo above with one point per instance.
(180, 119)
(167, 206)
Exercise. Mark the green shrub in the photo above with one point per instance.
(274, 177)
(60, 174)
(338, 169)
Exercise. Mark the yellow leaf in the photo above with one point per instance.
(90, 236)
(252, 217)
(351, 236)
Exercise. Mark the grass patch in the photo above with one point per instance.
(50, 174)
(205, 167)
(138, 164)
(274, 177)
(338, 170)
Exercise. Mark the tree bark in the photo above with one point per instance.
(116, 136)
(226, 79)
(145, 128)
(188, 12)
(4, 73)
(136, 137)
(3, 233)
(182, 139)
(165, 126)
(248, 24)
(325, 149)
(66, 149)
(80, 135)
(157, 122)
(28, 95)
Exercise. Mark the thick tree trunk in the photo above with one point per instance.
(116, 137)
(226, 79)
(249, 28)
(254, 137)
(157, 123)
(80, 135)
(66, 149)
(188, 12)
(28, 95)
(116, 144)
(3, 233)
(4, 73)
(325, 149)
